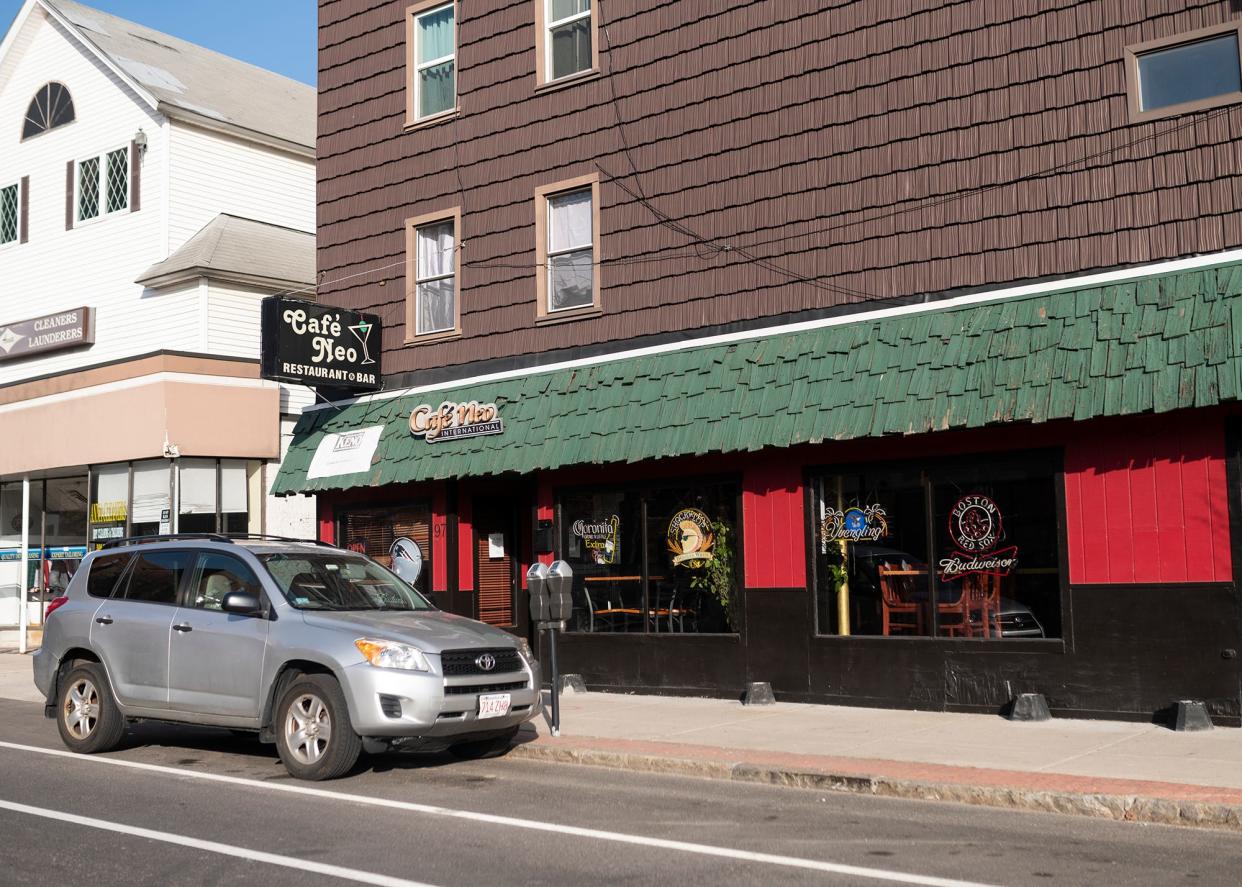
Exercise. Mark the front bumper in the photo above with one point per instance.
(428, 705)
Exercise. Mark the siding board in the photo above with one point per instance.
(838, 139)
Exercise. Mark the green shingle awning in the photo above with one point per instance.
(1153, 344)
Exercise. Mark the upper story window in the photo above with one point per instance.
(10, 214)
(567, 38)
(432, 274)
(567, 228)
(102, 185)
(52, 106)
(432, 50)
(1190, 72)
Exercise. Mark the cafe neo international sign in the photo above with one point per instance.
(311, 344)
(51, 332)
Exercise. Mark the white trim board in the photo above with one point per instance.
(1051, 286)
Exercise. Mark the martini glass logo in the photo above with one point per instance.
(362, 332)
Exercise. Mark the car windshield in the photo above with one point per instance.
(340, 582)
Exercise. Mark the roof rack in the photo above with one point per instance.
(208, 537)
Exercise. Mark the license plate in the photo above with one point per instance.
(494, 705)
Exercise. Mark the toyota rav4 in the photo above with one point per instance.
(322, 651)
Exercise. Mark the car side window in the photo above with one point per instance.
(106, 569)
(218, 574)
(157, 575)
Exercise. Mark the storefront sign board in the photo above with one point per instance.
(345, 452)
(455, 420)
(58, 553)
(51, 332)
(310, 344)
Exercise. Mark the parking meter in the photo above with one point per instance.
(560, 580)
(536, 583)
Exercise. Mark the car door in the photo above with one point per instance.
(216, 658)
(130, 631)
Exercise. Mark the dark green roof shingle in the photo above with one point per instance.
(1150, 345)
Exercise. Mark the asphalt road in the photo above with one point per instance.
(181, 806)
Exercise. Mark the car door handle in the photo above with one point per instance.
(104, 620)
(183, 626)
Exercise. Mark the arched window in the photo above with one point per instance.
(51, 107)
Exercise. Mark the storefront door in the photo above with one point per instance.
(497, 565)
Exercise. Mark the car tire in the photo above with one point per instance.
(494, 747)
(314, 736)
(87, 716)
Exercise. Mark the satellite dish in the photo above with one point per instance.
(407, 559)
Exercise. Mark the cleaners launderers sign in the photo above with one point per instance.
(52, 332)
(311, 344)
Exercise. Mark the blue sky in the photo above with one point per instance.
(278, 34)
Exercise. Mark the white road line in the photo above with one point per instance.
(513, 822)
(301, 865)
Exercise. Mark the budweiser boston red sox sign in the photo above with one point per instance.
(312, 344)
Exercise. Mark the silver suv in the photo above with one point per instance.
(320, 650)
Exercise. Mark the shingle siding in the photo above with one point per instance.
(845, 132)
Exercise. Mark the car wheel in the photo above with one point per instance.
(484, 748)
(87, 716)
(313, 733)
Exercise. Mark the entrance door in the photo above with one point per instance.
(497, 566)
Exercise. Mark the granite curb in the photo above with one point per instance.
(1119, 807)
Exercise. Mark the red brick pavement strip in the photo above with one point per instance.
(1123, 799)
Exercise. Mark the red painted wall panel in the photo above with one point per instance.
(439, 540)
(774, 548)
(465, 544)
(1148, 502)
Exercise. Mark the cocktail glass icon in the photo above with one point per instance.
(362, 332)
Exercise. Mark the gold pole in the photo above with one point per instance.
(843, 592)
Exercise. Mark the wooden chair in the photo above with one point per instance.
(983, 594)
(953, 616)
(610, 618)
(897, 604)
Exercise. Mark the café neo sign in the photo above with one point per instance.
(311, 344)
(51, 332)
(455, 420)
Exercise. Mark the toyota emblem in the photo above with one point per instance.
(486, 662)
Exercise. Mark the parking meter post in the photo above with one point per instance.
(559, 583)
(556, 682)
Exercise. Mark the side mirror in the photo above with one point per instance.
(242, 603)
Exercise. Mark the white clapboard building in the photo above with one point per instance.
(152, 192)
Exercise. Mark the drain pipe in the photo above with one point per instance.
(21, 581)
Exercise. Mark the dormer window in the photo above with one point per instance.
(52, 106)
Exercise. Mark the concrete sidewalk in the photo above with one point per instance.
(1111, 769)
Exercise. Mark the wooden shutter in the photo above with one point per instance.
(494, 581)
(23, 212)
(69, 195)
(135, 178)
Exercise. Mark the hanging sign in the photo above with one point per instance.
(407, 559)
(310, 344)
(854, 524)
(454, 420)
(601, 538)
(345, 452)
(690, 538)
(51, 332)
(976, 528)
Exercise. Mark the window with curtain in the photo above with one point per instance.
(570, 250)
(568, 37)
(435, 74)
(196, 511)
(234, 510)
(152, 497)
(435, 287)
(109, 503)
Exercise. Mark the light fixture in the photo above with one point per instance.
(140, 141)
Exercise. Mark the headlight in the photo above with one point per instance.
(524, 649)
(390, 654)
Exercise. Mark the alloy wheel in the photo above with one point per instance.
(81, 709)
(308, 728)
